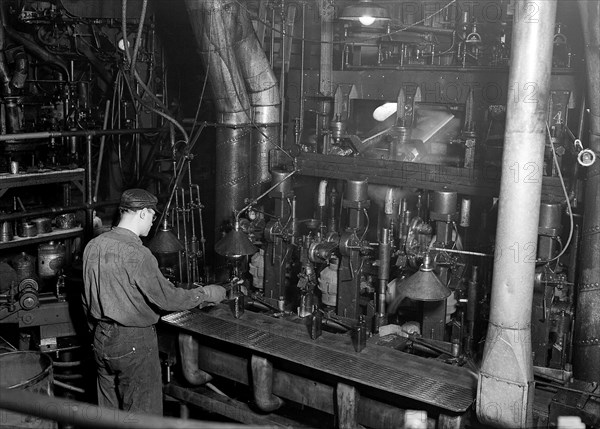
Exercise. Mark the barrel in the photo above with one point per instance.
(26, 370)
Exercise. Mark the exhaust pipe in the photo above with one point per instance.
(263, 90)
(215, 24)
(505, 385)
(247, 99)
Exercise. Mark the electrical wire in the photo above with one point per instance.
(569, 208)
(366, 213)
(139, 80)
(201, 98)
(7, 343)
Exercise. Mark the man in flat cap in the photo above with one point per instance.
(124, 290)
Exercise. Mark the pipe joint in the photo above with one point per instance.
(262, 385)
(189, 351)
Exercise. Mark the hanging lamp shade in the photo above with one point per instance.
(365, 11)
(165, 241)
(235, 244)
(424, 285)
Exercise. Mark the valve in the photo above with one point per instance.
(585, 157)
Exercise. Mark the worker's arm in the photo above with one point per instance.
(162, 293)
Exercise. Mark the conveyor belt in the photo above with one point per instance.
(418, 385)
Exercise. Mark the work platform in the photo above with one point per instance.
(379, 373)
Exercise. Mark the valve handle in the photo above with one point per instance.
(586, 157)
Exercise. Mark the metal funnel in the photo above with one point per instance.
(235, 244)
(165, 241)
(424, 285)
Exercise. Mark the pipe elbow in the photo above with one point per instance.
(21, 68)
(262, 385)
(188, 350)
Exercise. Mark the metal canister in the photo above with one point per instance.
(356, 190)
(51, 259)
(14, 167)
(24, 266)
(237, 305)
(44, 224)
(27, 229)
(6, 231)
(65, 221)
(465, 212)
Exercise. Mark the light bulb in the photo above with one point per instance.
(121, 44)
(366, 20)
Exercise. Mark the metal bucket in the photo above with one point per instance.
(51, 259)
(31, 371)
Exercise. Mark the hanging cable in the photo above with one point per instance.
(138, 37)
(136, 76)
(569, 209)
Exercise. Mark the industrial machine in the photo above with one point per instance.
(407, 230)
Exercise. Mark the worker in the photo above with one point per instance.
(124, 291)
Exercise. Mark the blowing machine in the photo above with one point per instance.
(403, 195)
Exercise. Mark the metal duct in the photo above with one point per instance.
(586, 360)
(241, 77)
(505, 390)
(264, 139)
(215, 23)
(263, 91)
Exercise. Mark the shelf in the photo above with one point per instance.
(8, 181)
(57, 234)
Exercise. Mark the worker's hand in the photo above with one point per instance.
(214, 293)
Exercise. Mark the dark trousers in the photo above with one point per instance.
(129, 375)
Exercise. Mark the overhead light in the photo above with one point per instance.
(235, 244)
(165, 241)
(366, 12)
(423, 285)
(122, 43)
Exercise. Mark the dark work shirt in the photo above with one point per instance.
(122, 282)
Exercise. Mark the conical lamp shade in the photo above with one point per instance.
(165, 241)
(424, 285)
(235, 244)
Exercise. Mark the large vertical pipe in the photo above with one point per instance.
(263, 91)
(215, 24)
(586, 356)
(505, 390)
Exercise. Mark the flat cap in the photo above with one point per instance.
(138, 199)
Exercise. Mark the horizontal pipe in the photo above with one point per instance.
(427, 29)
(82, 133)
(56, 210)
(91, 416)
